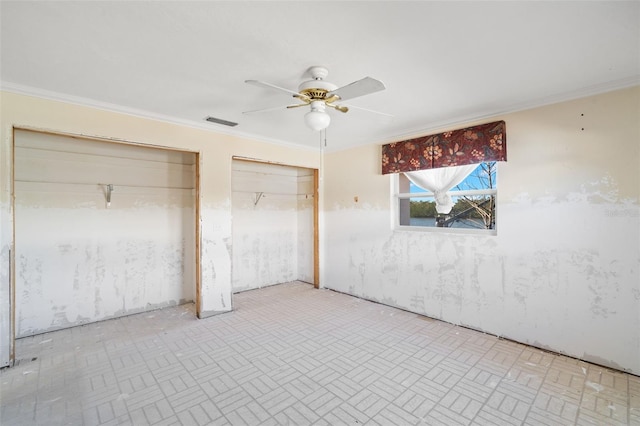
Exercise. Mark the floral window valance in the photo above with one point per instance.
(472, 145)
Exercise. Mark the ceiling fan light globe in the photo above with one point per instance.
(317, 120)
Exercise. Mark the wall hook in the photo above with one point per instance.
(109, 191)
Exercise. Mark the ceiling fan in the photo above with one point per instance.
(320, 94)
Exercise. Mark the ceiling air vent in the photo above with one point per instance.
(221, 121)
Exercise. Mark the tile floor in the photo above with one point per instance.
(293, 355)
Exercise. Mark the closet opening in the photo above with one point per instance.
(102, 229)
(274, 224)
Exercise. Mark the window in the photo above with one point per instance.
(473, 202)
(447, 180)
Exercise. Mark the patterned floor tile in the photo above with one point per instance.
(290, 354)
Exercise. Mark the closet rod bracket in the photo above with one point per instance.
(258, 196)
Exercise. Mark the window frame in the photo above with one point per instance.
(396, 196)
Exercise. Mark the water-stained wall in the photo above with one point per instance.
(272, 224)
(563, 271)
(215, 149)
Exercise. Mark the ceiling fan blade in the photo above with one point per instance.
(358, 88)
(273, 86)
(265, 110)
(370, 110)
(275, 108)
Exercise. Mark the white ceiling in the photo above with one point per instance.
(443, 63)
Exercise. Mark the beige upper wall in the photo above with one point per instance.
(576, 143)
(47, 115)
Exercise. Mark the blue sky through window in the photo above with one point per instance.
(471, 182)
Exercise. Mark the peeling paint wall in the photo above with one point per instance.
(272, 224)
(80, 258)
(216, 152)
(563, 272)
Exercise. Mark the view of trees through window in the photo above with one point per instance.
(474, 202)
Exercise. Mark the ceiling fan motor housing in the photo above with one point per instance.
(316, 89)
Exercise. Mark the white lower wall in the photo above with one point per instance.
(304, 238)
(563, 271)
(265, 249)
(84, 265)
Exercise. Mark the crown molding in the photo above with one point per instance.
(408, 134)
(20, 89)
